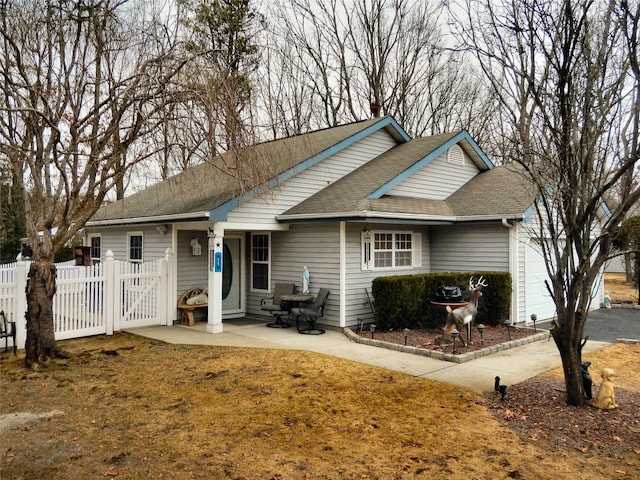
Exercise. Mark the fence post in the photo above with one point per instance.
(164, 290)
(109, 292)
(169, 305)
(20, 305)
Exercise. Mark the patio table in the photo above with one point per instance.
(295, 300)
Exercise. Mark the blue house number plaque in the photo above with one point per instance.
(217, 263)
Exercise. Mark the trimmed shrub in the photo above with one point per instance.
(406, 301)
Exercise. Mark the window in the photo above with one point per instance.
(389, 250)
(95, 242)
(135, 247)
(260, 258)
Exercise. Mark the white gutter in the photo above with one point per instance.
(155, 219)
(396, 216)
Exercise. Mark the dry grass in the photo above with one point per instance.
(620, 291)
(134, 408)
(127, 407)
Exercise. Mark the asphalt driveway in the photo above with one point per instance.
(610, 325)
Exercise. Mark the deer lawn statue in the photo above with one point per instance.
(465, 316)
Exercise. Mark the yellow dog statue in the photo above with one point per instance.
(605, 398)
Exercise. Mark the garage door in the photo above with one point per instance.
(538, 299)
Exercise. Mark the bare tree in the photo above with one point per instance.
(363, 58)
(284, 99)
(566, 75)
(80, 83)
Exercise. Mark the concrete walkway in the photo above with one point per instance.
(513, 366)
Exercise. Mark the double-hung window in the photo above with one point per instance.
(260, 261)
(387, 250)
(95, 243)
(134, 250)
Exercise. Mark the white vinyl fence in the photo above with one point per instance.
(99, 299)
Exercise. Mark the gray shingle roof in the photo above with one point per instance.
(192, 193)
(501, 191)
(349, 194)
(496, 193)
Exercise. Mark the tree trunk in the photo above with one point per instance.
(41, 286)
(628, 268)
(570, 348)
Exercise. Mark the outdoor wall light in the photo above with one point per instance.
(372, 328)
(162, 229)
(534, 317)
(406, 332)
(481, 330)
(196, 248)
(454, 336)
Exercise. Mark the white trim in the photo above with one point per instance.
(367, 248)
(90, 237)
(249, 227)
(416, 254)
(204, 216)
(399, 216)
(135, 234)
(268, 263)
(514, 269)
(343, 274)
(241, 269)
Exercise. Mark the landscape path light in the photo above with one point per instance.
(406, 332)
(508, 325)
(454, 335)
(481, 330)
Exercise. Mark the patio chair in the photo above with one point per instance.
(312, 312)
(7, 330)
(275, 306)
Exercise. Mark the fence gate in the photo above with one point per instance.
(78, 304)
(93, 300)
(143, 287)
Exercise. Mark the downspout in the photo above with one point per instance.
(513, 269)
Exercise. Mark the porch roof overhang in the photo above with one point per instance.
(406, 218)
(171, 218)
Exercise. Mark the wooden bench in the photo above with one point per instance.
(187, 309)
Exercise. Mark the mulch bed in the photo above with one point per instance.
(432, 339)
(537, 410)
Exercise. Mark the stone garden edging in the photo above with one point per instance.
(448, 357)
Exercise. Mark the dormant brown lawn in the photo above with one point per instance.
(131, 408)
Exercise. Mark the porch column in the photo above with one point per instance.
(343, 274)
(216, 238)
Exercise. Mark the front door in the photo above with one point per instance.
(232, 277)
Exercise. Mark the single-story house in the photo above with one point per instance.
(350, 203)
